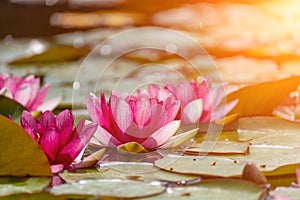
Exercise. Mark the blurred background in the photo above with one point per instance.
(247, 41)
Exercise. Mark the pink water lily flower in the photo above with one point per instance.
(56, 136)
(27, 92)
(141, 119)
(200, 102)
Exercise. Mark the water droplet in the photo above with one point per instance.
(76, 85)
(78, 42)
(106, 50)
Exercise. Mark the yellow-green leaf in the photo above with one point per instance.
(201, 165)
(142, 171)
(15, 185)
(262, 98)
(232, 165)
(269, 131)
(20, 155)
(109, 188)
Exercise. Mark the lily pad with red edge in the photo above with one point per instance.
(11, 108)
(261, 99)
(20, 155)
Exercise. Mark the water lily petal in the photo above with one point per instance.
(47, 119)
(217, 95)
(66, 132)
(105, 138)
(122, 114)
(80, 125)
(49, 142)
(162, 135)
(179, 139)
(28, 123)
(142, 112)
(49, 105)
(56, 168)
(192, 112)
(202, 89)
(23, 94)
(93, 107)
(185, 92)
(64, 119)
(34, 93)
(170, 112)
(90, 160)
(75, 146)
(222, 111)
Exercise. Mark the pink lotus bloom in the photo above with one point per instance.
(27, 92)
(56, 136)
(142, 119)
(200, 102)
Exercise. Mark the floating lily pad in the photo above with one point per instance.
(108, 188)
(269, 131)
(128, 171)
(53, 54)
(20, 155)
(261, 99)
(9, 107)
(285, 162)
(201, 165)
(215, 189)
(218, 147)
(15, 185)
(36, 196)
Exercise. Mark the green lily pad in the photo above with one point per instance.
(218, 148)
(201, 165)
(141, 171)
(215, 189)
(15, 185)
(108, 188)
(285, 162)
(9, 107)
(36, 196)
(53, 54)
(269, 131)
(293, 193)
(20, 155)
